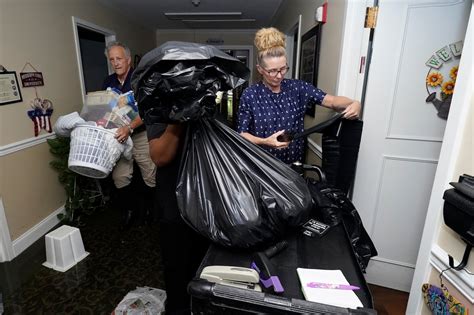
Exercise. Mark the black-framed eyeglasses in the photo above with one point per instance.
(274, 72)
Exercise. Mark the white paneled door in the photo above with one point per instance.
(403, 130)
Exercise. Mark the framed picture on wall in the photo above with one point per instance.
(309, 61)
(9, 88)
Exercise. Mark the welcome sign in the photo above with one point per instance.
(29, 79)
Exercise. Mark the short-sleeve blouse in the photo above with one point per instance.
(263, 112)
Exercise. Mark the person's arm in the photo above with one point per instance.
(350, 108)
(124, 132)
(269, 141)
(164, 148)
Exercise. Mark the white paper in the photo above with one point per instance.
(337, 297)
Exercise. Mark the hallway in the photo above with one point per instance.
(118, 263)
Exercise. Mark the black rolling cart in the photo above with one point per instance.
(330, 251)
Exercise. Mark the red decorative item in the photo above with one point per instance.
(41, 115)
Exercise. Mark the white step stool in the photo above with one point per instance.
(64, 248)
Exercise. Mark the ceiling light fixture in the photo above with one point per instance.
(215, 20)
(201, 15)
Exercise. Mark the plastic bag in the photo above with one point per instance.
(333, 207)
(340, 143)
(178, 81)
(110, 109)
(235, 193)
(142, 301)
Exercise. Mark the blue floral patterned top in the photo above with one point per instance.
(262, 113)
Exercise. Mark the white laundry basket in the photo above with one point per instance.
(93, 151)
(64, 248)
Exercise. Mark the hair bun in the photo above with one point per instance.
(268, 38)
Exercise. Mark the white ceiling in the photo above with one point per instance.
(238, 14)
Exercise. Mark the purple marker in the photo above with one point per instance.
(321, 285)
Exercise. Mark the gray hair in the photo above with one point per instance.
(115, 44)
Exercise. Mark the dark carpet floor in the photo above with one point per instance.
(119, 261)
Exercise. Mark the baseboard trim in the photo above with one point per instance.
(24, 144)
(36, 232)
(315, 148)
(461, 280)
(390, 274)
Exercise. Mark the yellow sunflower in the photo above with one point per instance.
(434, 79)
(453, 73)
(448, 87)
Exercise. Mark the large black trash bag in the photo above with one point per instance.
(333, 207)
(178, 81)
(235, 193)
(340, 144)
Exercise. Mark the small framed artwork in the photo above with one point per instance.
(9, 88)
(309, 61)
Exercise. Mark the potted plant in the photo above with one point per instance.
(84, 194)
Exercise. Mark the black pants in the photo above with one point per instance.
(182, 248)
(182, 251)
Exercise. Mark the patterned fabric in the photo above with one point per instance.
(262, 113)
(441, 302)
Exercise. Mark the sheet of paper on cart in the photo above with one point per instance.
(338, 297)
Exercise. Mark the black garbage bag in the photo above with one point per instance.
(333, 207)
(178, 81)
(340, 143)
(235, 193)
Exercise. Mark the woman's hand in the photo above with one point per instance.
(274, 143)
(352, 110)
(341, 104)
(268, 142)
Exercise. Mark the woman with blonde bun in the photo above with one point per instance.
(276, 104)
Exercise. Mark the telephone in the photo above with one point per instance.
(240, 277)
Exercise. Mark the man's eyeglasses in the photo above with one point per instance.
(274, 72)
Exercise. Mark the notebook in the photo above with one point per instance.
(336, 297)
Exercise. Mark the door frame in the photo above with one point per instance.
(109, 37)
(352, 69)
(290, 38)
(445, 172)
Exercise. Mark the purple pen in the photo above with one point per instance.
(321, 285)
